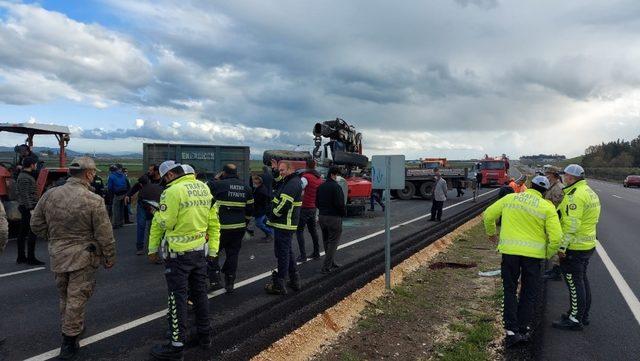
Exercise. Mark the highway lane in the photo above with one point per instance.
(135, 289)
(614, 333)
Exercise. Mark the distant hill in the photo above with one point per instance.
(72, 153)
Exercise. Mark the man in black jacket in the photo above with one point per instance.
(262, 198)
(234, 201)
(284, 217)
(331, 204)
(148, 188)
(27, 192)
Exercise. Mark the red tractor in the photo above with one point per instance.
(46, 177)
(344, 149)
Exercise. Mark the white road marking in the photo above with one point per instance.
(616, 196)
(623, 286)
(154, 316)
(21, 272)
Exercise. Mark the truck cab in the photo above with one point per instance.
(494, 172)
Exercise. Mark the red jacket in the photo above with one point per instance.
(314, 180)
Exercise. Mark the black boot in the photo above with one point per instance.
(294, 281)
(34, 262)
(167, 352)
(567, 324)
(553, 274)
(585, 320)
(229, 279)
(276, 287)
(512, 340)
(69, 348)
(215, 283)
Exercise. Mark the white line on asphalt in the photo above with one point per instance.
(623, 286)
(21, 272)
(616, 196)
(154, 316)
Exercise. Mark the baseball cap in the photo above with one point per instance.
(166, 166)
(83, 163)
(541, 181)
(551, 169)
(574, 170)
(188, 169)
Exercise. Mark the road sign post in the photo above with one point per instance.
(387, 172)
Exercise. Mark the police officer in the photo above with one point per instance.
(234, 202)
(579, 212)
(530, 232)
(284, 218)
(75, 222)
(188, 223)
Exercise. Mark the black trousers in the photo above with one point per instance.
(519, 309)
(574, 267)
(187, 277)
(436, 210)
(331, 227)
(308, 219)
(230, 242)
(284, 253)
(26, 235)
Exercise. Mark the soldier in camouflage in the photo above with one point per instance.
(75, 222)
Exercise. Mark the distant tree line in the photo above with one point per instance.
(555, 157)
(616, 154)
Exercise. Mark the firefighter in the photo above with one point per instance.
(530, 232)
(188, 222)
(283, 218)
(234, 202)
(579, 212)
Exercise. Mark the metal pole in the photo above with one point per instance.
(387, 226)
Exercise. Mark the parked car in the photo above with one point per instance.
(632, 181)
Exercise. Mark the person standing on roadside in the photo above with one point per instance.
(75, 222)
(555, 194)
(118, 187)
(440, 190)
(261, 197)
(234, 202)
(311, 180)
(148, 188)
(331, 205)
(183, 229)
(283, 218)
(579, 214)
(4, 236)
(27, 192)
(530, 232)
(127, 206)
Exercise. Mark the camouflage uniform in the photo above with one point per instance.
(555, 193)
(4, 228)
(76, 223)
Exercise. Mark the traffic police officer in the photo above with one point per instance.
(234, 202)
(283, 218)
(191, 228)
(579, 212)
(530, 232)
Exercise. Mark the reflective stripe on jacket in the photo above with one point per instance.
(579, 212)
(185, 218)
(234, 202)
(287, 200)
(530, 225)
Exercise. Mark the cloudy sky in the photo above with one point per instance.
(457, 78)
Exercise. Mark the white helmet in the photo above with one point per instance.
(574, 170)
(541, 181)
(188, 169)
(166, 166)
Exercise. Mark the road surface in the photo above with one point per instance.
(614, 275)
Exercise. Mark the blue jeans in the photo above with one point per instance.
(284, 253)
(142, 227)
(261, 222)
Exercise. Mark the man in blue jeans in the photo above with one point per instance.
(148, 188)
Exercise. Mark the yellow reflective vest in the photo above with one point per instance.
(186, 218)
(579, 212)
(530, 225)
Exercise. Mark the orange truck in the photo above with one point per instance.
(495, 170)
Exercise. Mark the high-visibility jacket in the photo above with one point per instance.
(185, 218)
(286, 203)
(579, 213)
(530, 225)
(234, 202)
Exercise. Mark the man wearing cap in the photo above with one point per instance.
(579, 213)
(234, 201)
(555, 195)
(27, 192)
(530, 232)
(187, 222)
(75, 222)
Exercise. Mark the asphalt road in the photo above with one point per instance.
(614, 333)
(125, 317)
